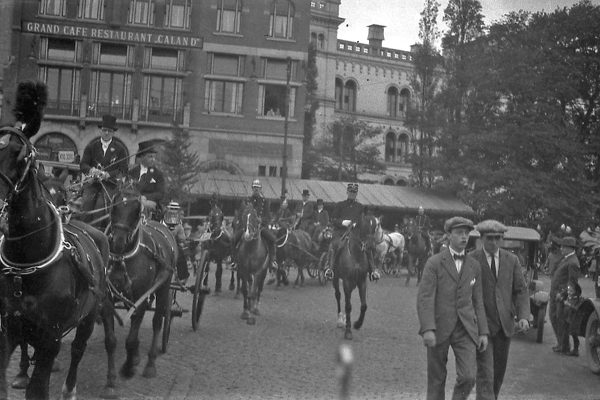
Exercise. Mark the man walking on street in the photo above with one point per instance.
(451, 313)
(504, 289)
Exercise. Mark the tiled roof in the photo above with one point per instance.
(381, 196)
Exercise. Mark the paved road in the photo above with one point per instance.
(291, 353)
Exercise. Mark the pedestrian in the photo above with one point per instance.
(567, 272)
(150, 179)
(505, 294)
(451, 313)
(572, 301)
(554, 255)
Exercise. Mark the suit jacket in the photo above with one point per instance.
(446, 297)
(503, 294)
(151, 184)
(566, 272)
(322, 217)
(307, 212)
(114, 162)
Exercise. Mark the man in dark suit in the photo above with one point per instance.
(567, 272)
(103, 160)
(306, 213)
(322, 216)
(151, 182)
(504, 290)
(451, 313)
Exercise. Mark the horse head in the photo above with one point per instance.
(250, 223)
(215, 220)
(125, 218)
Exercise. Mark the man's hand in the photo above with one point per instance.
(523, 325)
(346, 223)
(482, 343)
(429, 339)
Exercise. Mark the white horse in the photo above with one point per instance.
(389, 250)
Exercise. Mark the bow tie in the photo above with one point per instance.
(460, 257)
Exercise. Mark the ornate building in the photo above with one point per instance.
(367, 81)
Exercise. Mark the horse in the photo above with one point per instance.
(218, 245)
(96, 211)
(417, 252)
(253, 257)
(352, 264)
(52, 278)
(143, 256)
(297, 246)
(388, 250)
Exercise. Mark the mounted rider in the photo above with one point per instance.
(172, 219)
(424, 226)
(284, 216)
(346, 214)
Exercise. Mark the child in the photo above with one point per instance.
(572, 303)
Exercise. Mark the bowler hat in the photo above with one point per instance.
(305, 192)
(457, 222)
(108, 121)
(353, 187)
(567, 241)
(146, 148)
(319, 201)
(491, 226)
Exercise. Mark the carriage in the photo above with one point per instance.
(524, 243)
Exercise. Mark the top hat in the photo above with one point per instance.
(491, 226)
(146, 148)
(256, 184)
(458, 222)
(353, 187)
(319, 201)
(305, 192)
(108, 121)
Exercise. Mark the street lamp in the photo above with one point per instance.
(285, 126)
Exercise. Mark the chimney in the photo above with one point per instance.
(375, 37)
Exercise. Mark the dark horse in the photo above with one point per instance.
(252, 258)
(143, 255)
(52, 278)
(96, 211)
(417, 251)
(297, 246)
(351, 267)
(218, 246)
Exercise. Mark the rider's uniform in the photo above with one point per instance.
(350, 210)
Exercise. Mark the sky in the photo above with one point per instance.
(401, 17)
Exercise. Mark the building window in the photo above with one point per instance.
(229, 13)
(226, 64)
(339, 93)
(60, 50)
(271, 98)
(281, 21)
(272, 171)
(141, 12)
(162, 98)
(63, 89)
(112, 54)
(164, 59)
(349, 96)
(224, 96)
(178, 14)
(53, 7)
(110, 94)
(313, 37)
(341, 46)
(404, 100)
(390, 147)
(91, 9)
(392, 102)
(262, 170)
(321, 41)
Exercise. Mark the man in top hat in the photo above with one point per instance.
(103, 160)
(306, 214)
(567, 272)
(151, 182)
(504, 290)
(451, 313)
(284, 216)
(321, 216)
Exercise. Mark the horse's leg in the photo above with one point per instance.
(362, 293)
(82, 334)
(244, 285)
(411, 265)
(218, 274)
(251, 298)
(40, 377)
(110, 345)
(132, 343)
(420, 270)
(336, 287)
(22, 378)
(348, 287)
(232, 280)
(8, 343)
(162, 302)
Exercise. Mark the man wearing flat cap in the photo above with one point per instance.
(150, 180)
(504, 290)
(451, 313)
(567, 272)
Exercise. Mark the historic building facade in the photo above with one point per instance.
(367, 81)
(219, 69)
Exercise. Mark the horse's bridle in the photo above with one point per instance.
(29, 157)
(130, 232)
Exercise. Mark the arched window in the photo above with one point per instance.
(388, 181)
(350, 96)
(339, 93)
(401, 182)
(404, 100)
(313, 38)
(281, 21)
(229, 13)
(321, 42)
(402, 148)
(390, 147)
(392, 102)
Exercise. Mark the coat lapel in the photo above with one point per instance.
(449, 264)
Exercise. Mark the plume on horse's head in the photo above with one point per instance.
(30, 102)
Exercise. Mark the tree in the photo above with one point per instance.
(181, 166)
(347, 150)
(310, 108)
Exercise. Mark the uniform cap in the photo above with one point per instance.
(173, 205)
(256, 184)
(353, 187)
(457, 222)
(491, 226)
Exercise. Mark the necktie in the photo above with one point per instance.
(493, 265)
(460, 257)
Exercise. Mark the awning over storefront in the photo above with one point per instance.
(398, 198)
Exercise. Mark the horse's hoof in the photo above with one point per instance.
(348, 335)
(135, 360)
(56, 366)
(109, 393)
(231, 287)
(357, 325)
(245, 315)
(341, 321)
(251, 321)
(20, 382)
(127, 371)
(68, 395)
(149, 372)
(255, 311)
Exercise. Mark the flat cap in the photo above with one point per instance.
(567, 241)
(457, 222)
(491, 226)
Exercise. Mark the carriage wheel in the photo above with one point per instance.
(592, 342)
(168, 317)
(322, 267)
(387, 265)
(199, 293)
(312, 270)
(541, 316)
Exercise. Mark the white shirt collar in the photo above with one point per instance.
(143, 170)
